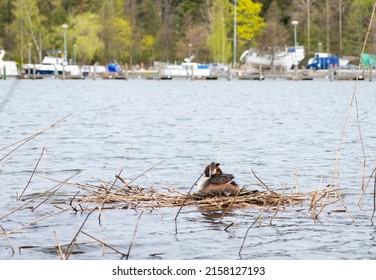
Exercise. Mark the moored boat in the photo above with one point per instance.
(52, 64)
(278, 59)
(7, 68)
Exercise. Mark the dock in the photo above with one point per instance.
(231, 74)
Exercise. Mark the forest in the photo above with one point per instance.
(144, 31)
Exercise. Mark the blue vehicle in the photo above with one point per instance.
(323, 61)
(114, 68)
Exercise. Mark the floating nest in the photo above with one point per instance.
(132, 197)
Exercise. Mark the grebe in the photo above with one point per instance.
(216, 182)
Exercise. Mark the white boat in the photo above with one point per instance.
(8, 68)
(91, 70)
(52, 64)
(284, 59)
(186, 69)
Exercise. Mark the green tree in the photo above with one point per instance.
(147, 47)
(85, 33)
(249, 22)
(116, 33)
(356, 25)
(27, 26)
(220, 47)
(6, 18)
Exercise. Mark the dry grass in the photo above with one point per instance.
(136, 197)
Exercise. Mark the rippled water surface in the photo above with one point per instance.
(287, 132)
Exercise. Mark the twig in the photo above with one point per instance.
(126, 155)
(104, 244)
(374, 199)
(275, 214)
(134, 235)
(228, 206)
(62, 256)
(6, 236)
(29, 201)
(138, 176)
(121, 179)
(231, 224)
(268, 187)
(37, 220)
(27, 139)
(71, 202)
(365, 188)
(353, 98)
(343, 203)
(186, 197)
(107, 192)
(32, 174)
(52, 193)
(70, 246)
(246, 234)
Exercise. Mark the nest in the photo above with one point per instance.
(132, 197)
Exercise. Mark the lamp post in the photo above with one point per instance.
(65, 26)
(29, 64)
(189, 51)
(29, 53)
(74, 54)
(295, 23)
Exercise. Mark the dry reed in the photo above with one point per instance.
(136, 197)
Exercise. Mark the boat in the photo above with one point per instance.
(52, 64)
(279, 59)
(186, 69)
(7, 68)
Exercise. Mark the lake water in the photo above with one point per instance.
(287, 132)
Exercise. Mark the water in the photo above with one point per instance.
(286, 132)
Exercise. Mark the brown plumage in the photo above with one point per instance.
(216, 182)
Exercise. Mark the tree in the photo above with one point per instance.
(85, 32)
(116, 33)
(249, 22)
(357, 25)
(166, 34)
(194, 42)
(220, 48)
(147, 47)
(274, 33)
(6, 18)
(27, 26)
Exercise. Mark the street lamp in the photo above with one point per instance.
(74, 54)
(295, 23)
(65, 26)
(189, 51)
(29, 53)
(29, 64)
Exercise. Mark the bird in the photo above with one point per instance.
(216, 182)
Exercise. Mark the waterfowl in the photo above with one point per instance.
(216, 182)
